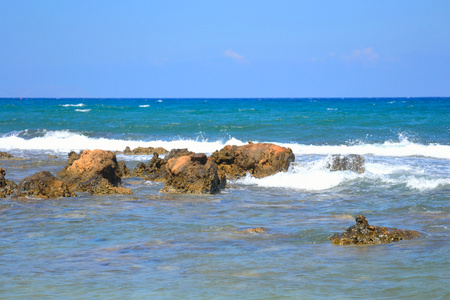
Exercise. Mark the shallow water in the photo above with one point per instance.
(157, 246)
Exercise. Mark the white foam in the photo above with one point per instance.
(422, 184)
(73, 105)
(83, 110)
(402, 148)
(146, 105)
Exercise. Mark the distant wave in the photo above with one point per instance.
(146, 105)
(83, 110)
(73, 105)
(67, 141)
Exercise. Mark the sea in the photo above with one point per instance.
(152, 245)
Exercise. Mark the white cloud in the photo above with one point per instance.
(367, 55)
(235, 56)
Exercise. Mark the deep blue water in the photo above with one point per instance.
(152, 245)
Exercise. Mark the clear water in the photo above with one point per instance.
(158, 246)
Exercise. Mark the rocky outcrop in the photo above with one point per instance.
(193, 173)
(155, 169)
(5, 155)
(145, 151)
(260, 160)
(364, 234)
(351, 162)
(42, 185)
(85, 171)
(7, 187)
(123, 170)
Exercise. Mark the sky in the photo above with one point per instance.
(224, 49)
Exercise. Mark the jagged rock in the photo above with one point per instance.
(260, 160)
(7, 187)
(364, 234)
(123, 170)
(101, 186)
(5, 155)
(42, 185)
(192, 174)
(351, 162)
(155, 169)
(87, 166)
(145, 151)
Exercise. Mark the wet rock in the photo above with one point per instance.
(99, 185)
(5, 155)
(155, 169)
(87, 166)
(145, 151)
(351, 162)
(7, 187)
(193, 173)
(123, 170)
(42, 185)
(260, 160)
(364, 234)
(258, 230)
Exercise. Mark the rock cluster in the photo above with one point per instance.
(5, 155)
(260, 160)
(7, 187)
(364, 234)
(351, 162)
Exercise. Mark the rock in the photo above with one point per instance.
(82, 170)
(351, 162)
(155, 169)
(364, 234)
(123, 170)
(260, 160)
(193, 173)
(7, 187)
(4, 155)
(145, 151)
(101, 186)
(258, 230)
(42, 185)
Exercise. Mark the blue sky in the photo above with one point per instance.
(165, 49)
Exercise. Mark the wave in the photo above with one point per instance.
(83, 110)
(64, 140)
(73, 105)
(145, 105)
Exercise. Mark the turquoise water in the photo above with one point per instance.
(158, 246)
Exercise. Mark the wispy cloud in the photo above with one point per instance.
(366, 55)
(235, 56)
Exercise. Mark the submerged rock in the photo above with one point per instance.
(260, 160)
(7, 187)
(84, 171)
(364, 234)
(42, 185)
(145, 151)
(193, 173)
(351, 162)
(5, 155)
(257, 230)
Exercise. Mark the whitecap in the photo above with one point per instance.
(146, 105)
(74, 105)
(83, 110)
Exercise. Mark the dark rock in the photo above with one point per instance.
(351, 162)
(123, 170)
(4, 155)
(42, 185)
(154, 170)
(199, 157)
(177, 153)
(145, 151)
(185, 175)
(364, 234)
(84, 167)
(7, 187)
(260, 160)
(99, 185)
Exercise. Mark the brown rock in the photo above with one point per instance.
(260, 160)
(42, 185)
(364, 234)
(192, 174)
(87, 166)
(101, 186)
(154, 170)
(123, 170)
(145, 151)
(258, 230)
(7, 187)
(4, 155)
(351, 162)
